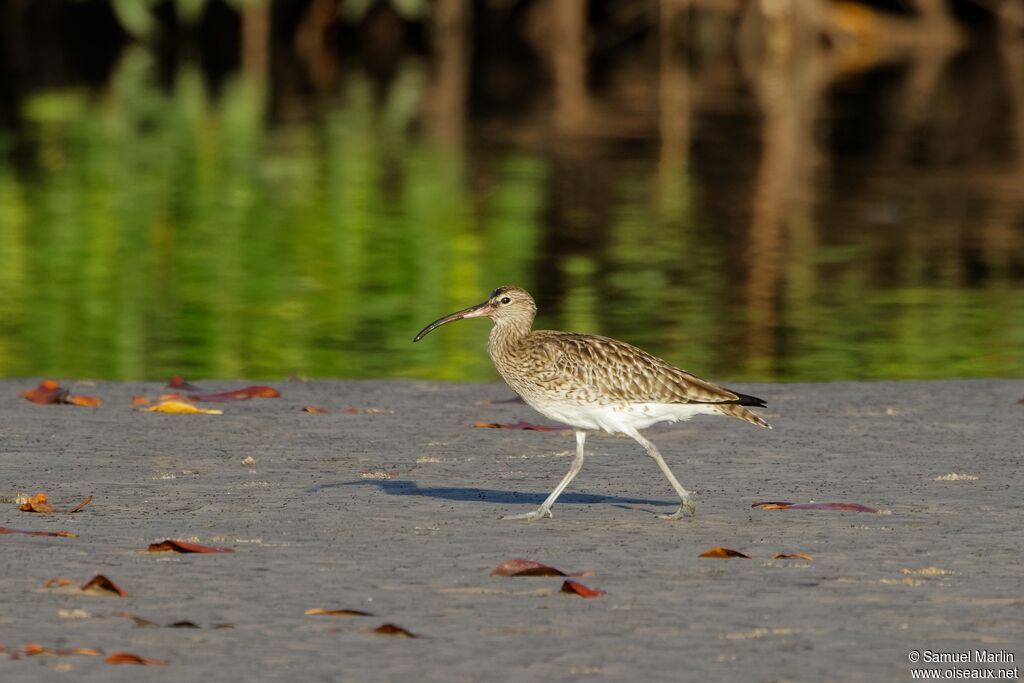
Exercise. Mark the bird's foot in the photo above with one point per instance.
(539, 513)
(687, 509)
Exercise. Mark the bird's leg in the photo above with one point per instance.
(687, 508)
(545, 508)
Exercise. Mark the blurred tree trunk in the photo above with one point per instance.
(453, 54)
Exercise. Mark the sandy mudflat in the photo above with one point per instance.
(312, 527)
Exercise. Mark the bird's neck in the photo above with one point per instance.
(506, 336)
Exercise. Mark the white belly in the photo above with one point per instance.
(623, 418)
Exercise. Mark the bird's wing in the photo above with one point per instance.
(608, 369)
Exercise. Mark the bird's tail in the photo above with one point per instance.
(734, 410)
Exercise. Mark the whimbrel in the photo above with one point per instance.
(591, 382)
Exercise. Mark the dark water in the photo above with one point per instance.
(785, 223)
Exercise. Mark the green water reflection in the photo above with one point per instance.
(156, 232)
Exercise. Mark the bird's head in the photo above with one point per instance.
(506, 305)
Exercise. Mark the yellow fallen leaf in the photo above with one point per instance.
(182, 408)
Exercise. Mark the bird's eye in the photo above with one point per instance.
(506, 300)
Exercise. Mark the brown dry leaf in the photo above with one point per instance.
(394, 630)
(140, 400)
(577, 588)
(724, 553)
(522, 567)
(183, 624)
(182, 408)
(792, 556)
(176, 546)
(139, 621)
(33, 649)
(64, 534)
(39, 503)
(347, 410)
(101, 585)
(238, 394)
(337, 612)
(130, 658)
(528, 426)
(782, 505)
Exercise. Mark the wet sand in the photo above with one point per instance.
(396, 513)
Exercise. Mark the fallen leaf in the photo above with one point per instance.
(173, 545)
(39, 503)
(183, 624)
(65, 534)
(238, 394)
(521, 567)
(176, 382)
(780, 505)
(337, 612)
(140, 400)
(792, 556)
(101, 585)
(528, 426)
(347, 410)
(129, 658)
(394, 630)
(139, 621)
(724, 553)
(33, 649)
(87, 401)
(182, 408)
(58, 581)
(48, 391)
(577, 588)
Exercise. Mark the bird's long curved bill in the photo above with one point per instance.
(471, 312)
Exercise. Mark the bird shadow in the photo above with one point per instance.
(402, 487)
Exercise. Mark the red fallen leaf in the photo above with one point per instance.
(723, 553)
(129, 658)
(848, 507)
(521, 567)
(48, 391)
(140, 400)
(33, 649)
(173, 545)
(337, 612)
(518, 425)
(238, 394)
(348, 410)
(394, 630)
(65, 534)
(39, 503)
(176, 382)
(101, 585)
(577, 588)
(792, 556)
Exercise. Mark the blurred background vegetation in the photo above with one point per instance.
(753, 189)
